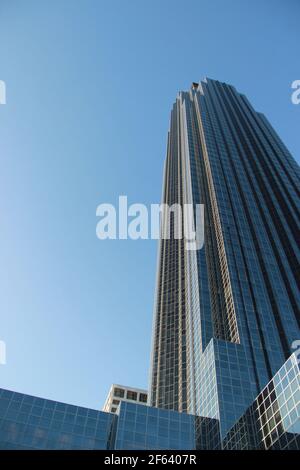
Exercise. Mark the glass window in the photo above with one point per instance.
(119, 392)
(143, 397)
(131, 395)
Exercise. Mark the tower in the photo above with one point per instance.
(226, 315)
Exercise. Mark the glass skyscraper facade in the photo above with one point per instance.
(226, 316)
(272, 421)
(28, 422)
(32, 423)
(224, 370)
(145, 427)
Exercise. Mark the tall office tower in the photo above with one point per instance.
(226, 316)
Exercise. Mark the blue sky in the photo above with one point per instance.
(90, 85)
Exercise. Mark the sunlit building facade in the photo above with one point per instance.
(226, 316)
(272, 421)
(121, 393)
(226, 340)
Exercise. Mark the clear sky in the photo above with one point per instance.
(90, 85)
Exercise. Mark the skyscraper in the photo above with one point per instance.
(226, 316)
(225, 373)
